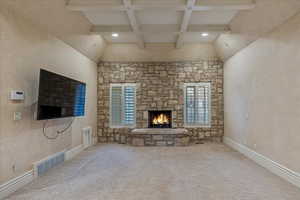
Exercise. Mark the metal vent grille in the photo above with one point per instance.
(45, 165)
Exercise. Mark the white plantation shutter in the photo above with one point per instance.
(129, 105)
(197, 104)
(122, 105)
(190, 104)
(116, 105)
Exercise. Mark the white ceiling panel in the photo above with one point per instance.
(160, 38)
(160, 21)
(224, 2)
(159, 17)
(109, 2)
(158, 2)
(212, 17)
(196, 37)
(104, 2)
(107, 18)
(123, 38)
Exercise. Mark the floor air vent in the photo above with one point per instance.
(43, 166)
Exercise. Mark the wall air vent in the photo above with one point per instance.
(45, 165)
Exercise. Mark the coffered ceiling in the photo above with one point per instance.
(160, 21)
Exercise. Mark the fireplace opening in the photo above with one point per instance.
(160, 119)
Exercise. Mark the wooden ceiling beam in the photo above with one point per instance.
(185, 22)
(160, 28)
(85, 5)
(208, 28)
(134, 24)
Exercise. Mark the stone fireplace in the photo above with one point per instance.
(159, 87)
(159, 119)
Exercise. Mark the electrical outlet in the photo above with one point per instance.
(17, 116)
(13, 167)
(247, 116)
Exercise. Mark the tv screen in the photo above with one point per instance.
(59, 96)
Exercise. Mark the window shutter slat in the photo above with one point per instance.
(202, 105)
(129, 105)
(197, 110)
(190, 105)
(122, 105)
(116, 105)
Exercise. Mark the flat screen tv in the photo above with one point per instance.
(59, 96)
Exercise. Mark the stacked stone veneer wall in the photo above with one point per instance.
(160, 87)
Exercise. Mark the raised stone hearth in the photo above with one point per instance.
(159, 137)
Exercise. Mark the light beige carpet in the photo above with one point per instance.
(118, 172)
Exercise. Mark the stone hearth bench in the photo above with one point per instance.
(159, 137)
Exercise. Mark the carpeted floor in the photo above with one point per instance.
(118, 172)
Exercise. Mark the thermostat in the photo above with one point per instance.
(17, 95)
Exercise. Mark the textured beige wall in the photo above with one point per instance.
(262, 95)
(23, 50)
(248, 26)
(52, 16)
(159, 52)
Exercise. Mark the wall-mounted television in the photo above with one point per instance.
(59, 96)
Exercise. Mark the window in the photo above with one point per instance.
(122, 105)
(197, 104)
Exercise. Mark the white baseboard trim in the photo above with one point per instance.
(274, 167)
(95, 140)
(73, 152)
(15, 184)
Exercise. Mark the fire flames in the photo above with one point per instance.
(160, 119)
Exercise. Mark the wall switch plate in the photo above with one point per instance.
(17, 116)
